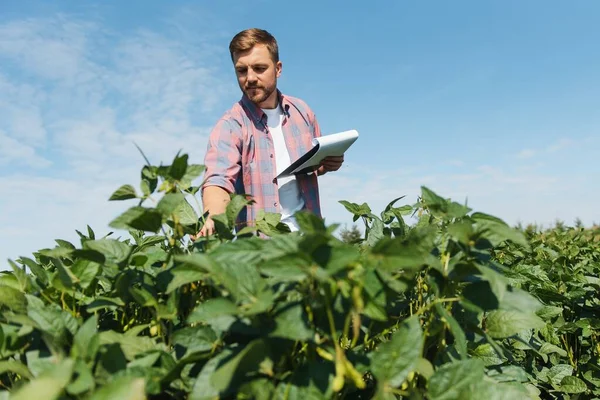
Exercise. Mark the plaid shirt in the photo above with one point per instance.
(240, 155)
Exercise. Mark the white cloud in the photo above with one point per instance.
(85, 96)
(528, 193)
(562, 144)
(526, 153)
(16, 154)
(53, 48)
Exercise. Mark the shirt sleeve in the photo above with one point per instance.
(223, 156)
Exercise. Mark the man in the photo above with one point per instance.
(259, 137)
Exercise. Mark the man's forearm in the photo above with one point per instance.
(215, 200)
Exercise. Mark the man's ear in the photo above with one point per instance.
(278, 68)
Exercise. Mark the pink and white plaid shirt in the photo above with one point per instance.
(240, 155)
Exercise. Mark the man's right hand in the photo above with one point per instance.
(215, 200)
(207, 230)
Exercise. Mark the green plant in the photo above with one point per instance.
(443, 309)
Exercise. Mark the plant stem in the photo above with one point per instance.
(437, 301)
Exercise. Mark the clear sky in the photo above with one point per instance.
(492, 102)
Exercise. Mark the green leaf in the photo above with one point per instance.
(49, 385)
(243, 281)
(549, 348)
(13, 299)
(572, 384)
(178, 167)
(15, 367)
(287, 268)
(292, 323)
(184, 274)
(123, 387)
(194, 339)
(461, 231)
(548, 312)
(460, 339)
(140, 218)
(503, 323)
(218, 312)
(430, 198)
(204, 388)
(85, 271)
(234, 207)
(143, 296)
(258, 389)
(113, 250)
(424, 368)
(497, 231)
(310, 223)
(57, 252)
(375, 233)
(519, 300)
(509, 373)
(65, 276)
(132, 346)
(486, 353)
(36, 269)
(49, 320)
(387, 215)
(125, 192)
(86, 341)
(84, 380)
(394, 360)
(500, 391)
(222, 226)
(481, 295)
(357, 210)
(456, 380)
(105, 302)
(232, 372)
(89, 255)
(21, 275)
(169, 203)
(557, 373)
(186, 214)
(192, 172)
(408, 253)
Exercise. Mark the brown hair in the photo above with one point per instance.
(247, 39)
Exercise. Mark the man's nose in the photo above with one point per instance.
(251, 76)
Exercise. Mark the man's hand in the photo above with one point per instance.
(215, 201)
(207, 229)
(329, 164)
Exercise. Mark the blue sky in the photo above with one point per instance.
(491, 102)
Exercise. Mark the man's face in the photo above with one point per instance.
(257, 75)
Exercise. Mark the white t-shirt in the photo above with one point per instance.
(289, 194)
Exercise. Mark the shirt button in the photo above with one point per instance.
(271, 155)
(274, 180)
(275, 204)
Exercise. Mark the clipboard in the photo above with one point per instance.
(329, 145)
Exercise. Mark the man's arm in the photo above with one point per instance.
(214, 201)
(222, 161)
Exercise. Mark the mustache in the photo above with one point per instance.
(253, 87)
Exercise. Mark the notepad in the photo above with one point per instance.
(328, 145)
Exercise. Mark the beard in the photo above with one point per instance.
(258, 94)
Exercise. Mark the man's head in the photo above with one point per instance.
(255, 56)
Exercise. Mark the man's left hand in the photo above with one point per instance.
(329, 164)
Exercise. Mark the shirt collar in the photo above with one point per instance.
(258, 114)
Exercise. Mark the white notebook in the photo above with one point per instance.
(328, 145)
